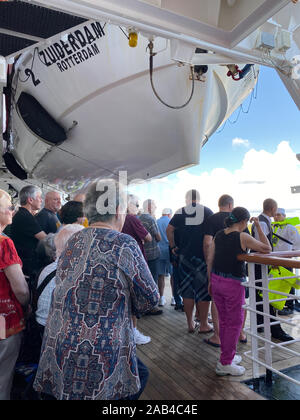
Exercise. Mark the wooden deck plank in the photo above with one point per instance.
(190, 380)
(182, 366)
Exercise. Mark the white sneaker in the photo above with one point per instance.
(173, 303)
(237, 359)
(140, 338)
(232, 369)
(162, 301)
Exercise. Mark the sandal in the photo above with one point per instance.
(206, 332)
(207, 341)
(243, 340)
(195, 328)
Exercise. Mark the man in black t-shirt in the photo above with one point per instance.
(213, 225)
(188, 223)
(216, 222)
(25, 230)
(47, 218)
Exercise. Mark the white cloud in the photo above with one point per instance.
(262, 175)
(237, 141)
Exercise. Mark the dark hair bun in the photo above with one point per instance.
(237, 215)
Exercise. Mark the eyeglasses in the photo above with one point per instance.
(10, 208)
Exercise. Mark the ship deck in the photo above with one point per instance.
(182, 366)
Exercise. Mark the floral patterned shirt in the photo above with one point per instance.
(88, 349)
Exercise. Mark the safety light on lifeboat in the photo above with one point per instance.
(132, 38)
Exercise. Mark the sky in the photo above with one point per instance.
(251, 159)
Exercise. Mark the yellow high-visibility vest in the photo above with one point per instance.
(284, 285)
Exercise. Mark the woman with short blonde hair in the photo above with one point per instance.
(14, 295)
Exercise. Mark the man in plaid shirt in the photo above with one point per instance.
(151, 248)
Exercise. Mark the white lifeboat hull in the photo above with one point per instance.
(96, 80)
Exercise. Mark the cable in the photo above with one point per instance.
(152, 54)
(32, 62)
(231, 122)
(81, 158)
(238, 116)
(256, 86)
(124, 32)
(249, 105)
(253, 96)
(221, 129)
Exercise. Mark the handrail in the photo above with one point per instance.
(255, 284)
(283, 259)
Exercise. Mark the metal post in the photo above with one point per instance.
(275, 259)
(253, 321)
(267, 323)
(3, 80)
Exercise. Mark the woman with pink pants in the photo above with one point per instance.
(226, 274)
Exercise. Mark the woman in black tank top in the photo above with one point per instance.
(225, 274)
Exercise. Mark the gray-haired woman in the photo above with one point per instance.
(101, 280)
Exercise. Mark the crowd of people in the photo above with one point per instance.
(83, 274)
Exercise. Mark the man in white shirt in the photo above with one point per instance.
(285, 238)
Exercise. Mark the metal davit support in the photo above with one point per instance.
(262, 355)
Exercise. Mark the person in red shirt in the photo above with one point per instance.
(133, 226)
(14, 296)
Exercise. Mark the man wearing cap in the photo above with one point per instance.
(285, 238)
(285, 235)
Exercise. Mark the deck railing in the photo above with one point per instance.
(283, 259)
